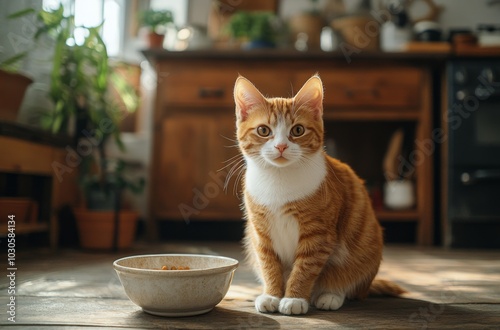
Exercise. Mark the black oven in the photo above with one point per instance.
(473, 167)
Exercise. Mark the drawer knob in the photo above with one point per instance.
(208, 93)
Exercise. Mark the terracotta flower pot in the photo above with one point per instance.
(155, 40)
(12, 89)
(96, 228)
(24, 209)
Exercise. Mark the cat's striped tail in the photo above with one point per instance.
(385, 288)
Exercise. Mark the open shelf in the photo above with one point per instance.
(26, 228)
(397, 216)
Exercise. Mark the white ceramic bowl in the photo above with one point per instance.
(176, 292)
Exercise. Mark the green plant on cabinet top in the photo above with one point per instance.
(155, 19)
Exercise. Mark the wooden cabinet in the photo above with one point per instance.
(194, 124)
(35, 165)
(370, 87)
(192, 176)
(207, 85)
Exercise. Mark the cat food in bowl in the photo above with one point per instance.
(195, 289)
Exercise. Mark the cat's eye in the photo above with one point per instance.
(297, 130)
(263, 131)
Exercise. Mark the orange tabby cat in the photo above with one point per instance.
(311, 233)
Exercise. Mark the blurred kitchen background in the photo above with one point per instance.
(428, 66)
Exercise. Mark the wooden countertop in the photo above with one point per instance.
(288, 54)
(32, 134)
(417, 55)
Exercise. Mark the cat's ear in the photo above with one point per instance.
(311, 96)
(246, 96)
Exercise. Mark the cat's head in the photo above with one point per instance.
(279, 131)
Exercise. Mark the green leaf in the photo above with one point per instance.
(46, 121)
(126, 92)
(118, 140)
(21, 13)
(154, 18)
(55, 86)
(45, 29)
(57, 123)
(13, 60)
(52, 17)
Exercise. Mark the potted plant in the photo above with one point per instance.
(155, 21)
(253, 29)
(13, 86)
(104, 223)
(81, 78)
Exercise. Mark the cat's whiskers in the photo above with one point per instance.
(232, 161)
(236, 164)
(239, 155)
(262, 162)
(232, 146)
(229, 139)
(241, 170)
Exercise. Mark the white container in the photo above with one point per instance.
(399, 194)
(489, 39)
(176, 292)
(394, 38)
(329, 39)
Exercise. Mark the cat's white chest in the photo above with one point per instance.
(275, 187)
(284, 233)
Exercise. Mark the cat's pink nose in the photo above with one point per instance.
(281, 147)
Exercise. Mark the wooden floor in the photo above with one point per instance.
(455, 289)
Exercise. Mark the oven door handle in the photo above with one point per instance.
(470, 178)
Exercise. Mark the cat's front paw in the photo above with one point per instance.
(266, 303)
(293, 306)
(329, 301)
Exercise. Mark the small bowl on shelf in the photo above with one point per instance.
(192, 291)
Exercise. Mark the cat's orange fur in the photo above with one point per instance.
(339, 241)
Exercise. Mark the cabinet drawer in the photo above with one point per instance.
(351, 88)
(213, 86)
